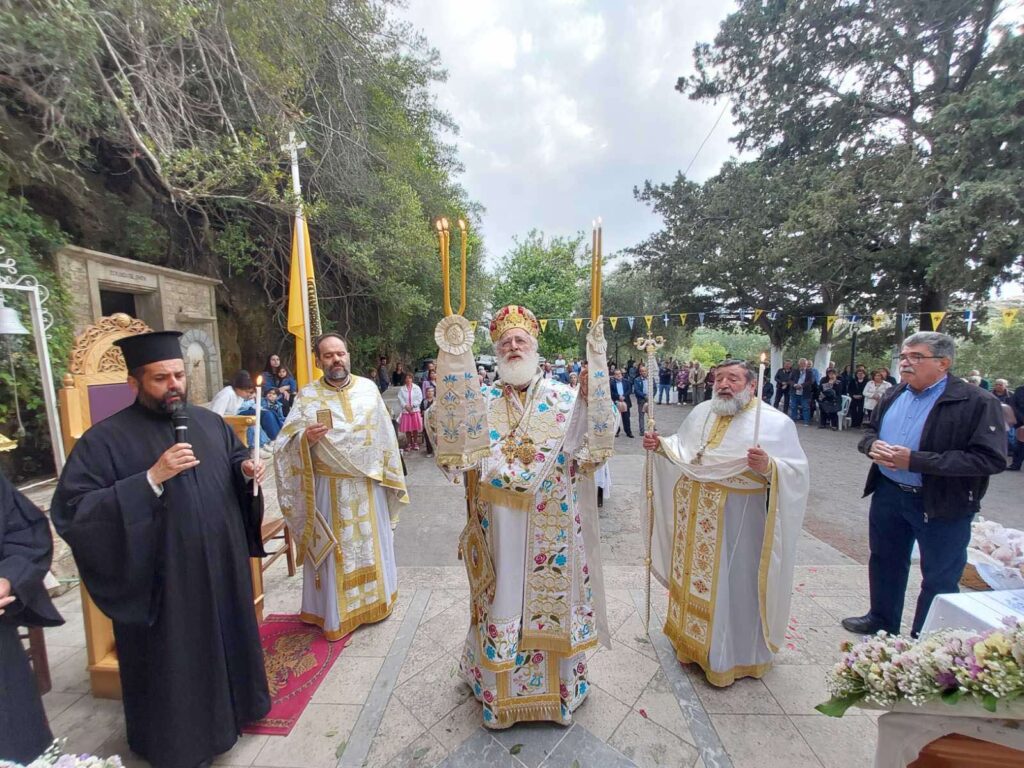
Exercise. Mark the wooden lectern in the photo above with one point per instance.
(95, 387)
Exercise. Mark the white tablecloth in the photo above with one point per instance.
(974, 610)
(904, 732)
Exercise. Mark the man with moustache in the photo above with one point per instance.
(933, 440)
(728, 511)
(340, 484)
(162, 530)
(531, 542)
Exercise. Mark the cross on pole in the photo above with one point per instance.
(293, 147)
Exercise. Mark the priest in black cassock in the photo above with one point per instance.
(26, 549)
(162, 530)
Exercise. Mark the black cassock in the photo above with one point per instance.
(173, 575)
(26, 549)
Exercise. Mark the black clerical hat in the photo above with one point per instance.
(146, 348)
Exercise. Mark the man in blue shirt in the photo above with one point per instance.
(934, 441)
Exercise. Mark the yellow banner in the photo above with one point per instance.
(682, 318)
(543, 324)
(877, 320)
(648, 319)
(297, 296)
(579, 323)
(614, 321)
(1009, 315)
(937, 318)
(789, 322)
(830, 320)
(757, 315)
(472, 325)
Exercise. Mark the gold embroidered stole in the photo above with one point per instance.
(696, 554)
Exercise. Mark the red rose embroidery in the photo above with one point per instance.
(585, 570)
(560, 418)
(580, 668)
(492, 630)
(542, 506)
(538, 658)
(540, 559)
(563, 691)
(539, 457)
(488, 696)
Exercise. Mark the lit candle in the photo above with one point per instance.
(259, 432)
(600, 257)
(593, 271)
(465, 244)
(760, 400)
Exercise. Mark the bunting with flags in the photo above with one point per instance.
(579, 323)
(614, 321)
(937, 318)
(757, 315)
(969, 318)
(1009, 315)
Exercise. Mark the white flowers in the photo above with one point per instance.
(53, 757)
(950, 664)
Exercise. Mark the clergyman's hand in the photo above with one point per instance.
(651, 441)
(173, 462)
(253, 468)
(314, 432)
(758, 460)
(6, 598)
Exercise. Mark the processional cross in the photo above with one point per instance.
(649, 344)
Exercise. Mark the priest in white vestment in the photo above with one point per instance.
(340, 485)
(727, 520)
(531, 543)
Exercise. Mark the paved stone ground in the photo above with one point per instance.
(394, 698)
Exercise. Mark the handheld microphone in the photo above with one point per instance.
(180, 421)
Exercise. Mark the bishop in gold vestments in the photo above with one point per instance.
(340, 485)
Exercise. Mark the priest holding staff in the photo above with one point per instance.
(340, 486)
(730, 490)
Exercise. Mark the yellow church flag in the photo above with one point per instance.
(543, 324)
(877, 319)
(614, 321)
(648, 319)
(682, 318)
(789, 322)
(303, 325)
(472, 325)
(757, 315)
(1009, 315)
(579, 323)
(937, 318)
(830, 320)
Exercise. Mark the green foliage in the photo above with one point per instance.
(29, 241)
(546, 275)
(235, 247)
(147, 240)
(997, 353)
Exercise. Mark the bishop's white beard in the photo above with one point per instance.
(520, 372)
(730, 406)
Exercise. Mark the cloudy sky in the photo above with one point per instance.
(565, 105)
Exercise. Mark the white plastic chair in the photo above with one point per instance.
(844, 411)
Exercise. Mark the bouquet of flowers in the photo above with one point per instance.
(948, 665)
(54, 757)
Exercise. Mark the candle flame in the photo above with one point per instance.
(763, 357)
(599, 221)
(438, 225)
(444, 223)
(462, 225)
(259, 381)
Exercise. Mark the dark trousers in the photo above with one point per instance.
(1017, 457)
(856, 412)
(624, 415)
(682, 392)
(896, 520)
(641, 412)
(782, 395)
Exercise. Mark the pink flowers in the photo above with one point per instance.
(540, 559)
(560, 418)
(540, 457)
(492, 630)
(580, 667)
(538, 658)
(488, 696)
(563, 691)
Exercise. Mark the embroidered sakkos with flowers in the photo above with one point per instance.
(531, 552)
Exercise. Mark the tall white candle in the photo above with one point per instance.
(258, 432)
(760, 400)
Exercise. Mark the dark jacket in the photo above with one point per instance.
(640, 388)
(962, 443)
(627, 391)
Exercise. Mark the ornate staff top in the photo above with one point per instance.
(595, 270)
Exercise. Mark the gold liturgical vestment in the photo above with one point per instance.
(340, 498)
(725, 538)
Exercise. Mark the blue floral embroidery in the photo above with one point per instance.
(561, 458)
(467, 375)
(547, 485)
(583, 688)
(450, 378)
(487, 715)
(599, 374)
(491, 653)
(496, 482)
(543, 407)
(564, 507)
(477, 689)
(520, 659)
(560, 560)
(495, 435)
(485, 524)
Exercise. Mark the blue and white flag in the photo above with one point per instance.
(664, 319)
(631, 320)
(969, 318)
(700, 318)
(810, 322)
(561, 323)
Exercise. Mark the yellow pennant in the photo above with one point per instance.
(789, 322)
(937, 318)
(757, 315)
(579, 323)
(543, 324)
(1009, 315)
(682, 318)
(648, 319)
(472, 325)
(614, 321)
(877, 320)
(829, 322)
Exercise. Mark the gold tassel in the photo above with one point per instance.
(318, 579)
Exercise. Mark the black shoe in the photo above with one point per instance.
(630, 437)
(861, 625)
(1014, 468)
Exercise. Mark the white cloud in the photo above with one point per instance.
(565, 105)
